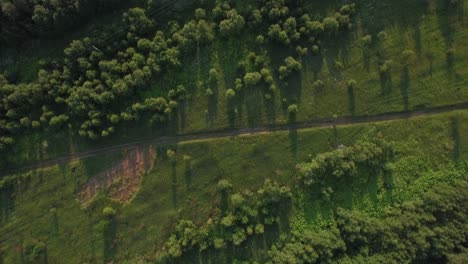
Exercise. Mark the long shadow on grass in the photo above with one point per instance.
(7, 201)
(293, 135)
(455, 127)
(174, 183)
(404, 87)
(351, 101)
(448, 12)
(314, 63)
(254, 102)
(109, 235)
(212, 106)
(188, 173)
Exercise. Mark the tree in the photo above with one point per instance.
(290, 65)
(230, 93)
(407, 57)
(331, 25)
(138, 22)
(233, 23)
(252, 78)
(292, 109)
(108, 212)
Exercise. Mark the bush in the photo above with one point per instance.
(292, 109)
(209, 92)
(108, 212)
(230, 93)
(331, 25)
(224, 185)
(319, 85)
(407, 57)
(252, 78)
(352, 84)
(233, 24)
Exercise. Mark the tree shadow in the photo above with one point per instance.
(455, 127)
(182, 115)
(213, 103)
(337, 54)
(351, 101)
(331, 58)
(315, 64)
(272, 233)
(293, 135)
(366, 59)
(253, 102)
(448, 12)
(7, 201)
(271, 110)
(450, 59)
(231, 111)
(54, 220)
(188, 173)
(174, 182)
(404, 87)
(417, 38)
(386, 82)
(109, 239)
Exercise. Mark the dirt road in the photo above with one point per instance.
(239, 132)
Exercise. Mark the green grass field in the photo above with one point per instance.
(424, 32)
(424, 145)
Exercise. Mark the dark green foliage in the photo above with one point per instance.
(427, 230)
(290, 65)
(232, 24)
(29, 18)
(247, 215)
(34, 251)
(345, 162)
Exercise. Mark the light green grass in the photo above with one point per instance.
(419, 30)
(423, 144)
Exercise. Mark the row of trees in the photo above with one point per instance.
(431, 229)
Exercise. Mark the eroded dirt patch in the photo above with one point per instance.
(123, 179)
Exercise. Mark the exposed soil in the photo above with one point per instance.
(123, 179)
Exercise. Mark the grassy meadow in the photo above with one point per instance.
(43, 205)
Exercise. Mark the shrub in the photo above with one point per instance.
(331, 25)
(108, 212)
(209, 92)
(407, 57)
(318, 85)
(292, 109)
(233, 24)
(230, 93)
(352, 83)
(252, 78)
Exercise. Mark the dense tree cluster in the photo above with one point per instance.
(248, 214)
(95, 89)
(431, 229)
(97, 86)
(32, 18)
(345, 162)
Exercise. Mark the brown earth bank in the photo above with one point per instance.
(122, 180)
